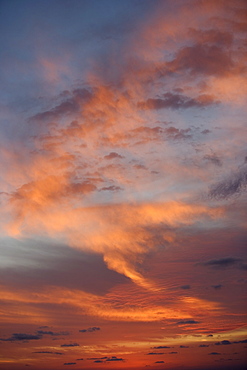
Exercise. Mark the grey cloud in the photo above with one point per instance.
(214, 353)
(217, 287)
(113, 155)
(111, 188)
(42, 332)
(213, 159)
(183, 346)
(172, 353)
(49, 352)
(70, 363)
(185, 322)
(155, 353)
(21, 337)
(89, 330)
(203, 345)
(185, 287)
(222, 262)
(114, 358)
(223, 343)
(70, 345)
(234, 184)
(160, 347)
(241, 341)
(177, 101)
(160, 362)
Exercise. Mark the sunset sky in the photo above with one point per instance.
(123, 180)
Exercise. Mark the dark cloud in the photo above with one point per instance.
(71, 105)
(89, 330)
(183, 346)
(97, 358)
(172, 353)
(177, 101)
(114, 358)
(185, 322)
(79, 359)
(98, 361)
(185, 287)
(160, 347)
(42, 332)
(49, 352)
(223, 343)
(160, 362)
(111, 188)
(70, 363)
(222, 262)
(201, 59)
(213, 159)
(214, 353)
(21, 337)
(203, 345)
(155, 353)
(113, 155)
(241, 341)
(70, 345)
(212, 36)
(233, 185)
(61, 265)
(217, 287)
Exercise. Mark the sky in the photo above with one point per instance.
(123, 180)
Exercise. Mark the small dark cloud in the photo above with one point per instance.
(217, 287)
(79, 359)
(98, 361)
(241, 341)
(185, 287)
(177, 101)
(114, 358)
(111, 188)
(160, 362)
(113, 155)
(49, 352)
(172, 353)
(89, 330)
(203, 345)
(222, 262)
(70, 363)
(70, 345)
(97, 358)
(223, 342)
(233, 185)
(43, 332)
(214, 353)
(160, 347)
(214, 159)
(183, 346)
(187, 322)
(21, 337)
(205, 132)
(210, 335)
(155, 353)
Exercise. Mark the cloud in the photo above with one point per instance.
(114, 358)
(214, 353)
(177, 101)
(160, 347)
(217, 287)
(89, 330)
(113, 155)
(173, 353)
(49, 352)
(241, 341)
(203, 345)
(70, 345)
(222, 262)
(155, 353)
(213, 158)
(160, 362)
(185, 287)
(70, 363)
(42, 332)
(183, 346)
(21, 337)
(223, 343)
(234, 184)
(187, 322)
